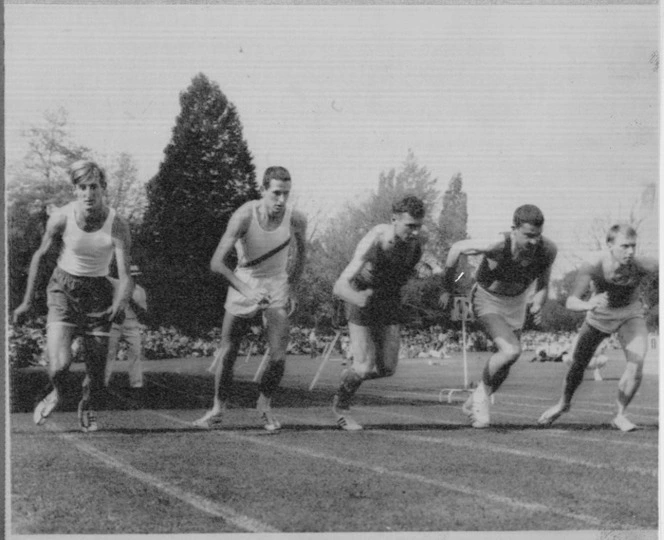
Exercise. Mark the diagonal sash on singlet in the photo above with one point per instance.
(267, 255)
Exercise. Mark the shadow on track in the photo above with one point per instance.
(167, 390)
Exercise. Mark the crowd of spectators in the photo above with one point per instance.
(431, 342)
(555, 346)
(423, 342)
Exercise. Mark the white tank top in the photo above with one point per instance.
(257, 242)
(86, 253)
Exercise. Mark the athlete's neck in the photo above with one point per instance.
(615, 265)
(270, 218)
(90, 218)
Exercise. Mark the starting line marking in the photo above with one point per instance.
(208, 506)
(493, 498)
(547, 432)
(248, 524)
(472, 444)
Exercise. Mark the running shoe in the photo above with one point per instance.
(209, 419)
(479, 408)
(622, 423)
(344, 420)
(87, 418)
(467, 406)
(270, 423)
(552, 414)
(44, 408)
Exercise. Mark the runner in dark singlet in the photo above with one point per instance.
(371, 284)
(614, 307)
(510, 266)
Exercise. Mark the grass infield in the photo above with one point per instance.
(417, 465)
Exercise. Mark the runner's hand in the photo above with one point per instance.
(536, 312)
(114, 311)
(20, 312)
(259, 296)
(444, 300)
(363, 297)
(292, 305)
(598, 301)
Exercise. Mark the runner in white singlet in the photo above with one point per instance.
(262, 232)
(81, 299)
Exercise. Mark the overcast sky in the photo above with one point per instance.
(551, 105)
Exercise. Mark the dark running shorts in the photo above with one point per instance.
(383, 309)
(80, 301)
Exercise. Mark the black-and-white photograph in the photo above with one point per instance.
(356, 270)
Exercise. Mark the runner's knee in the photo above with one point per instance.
(362, 368)
(634, 369)
(511, 351)
(272, 377)
(386, 371)
(59, 360)
(229, 347)
(636, 350)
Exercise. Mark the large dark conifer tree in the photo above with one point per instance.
(206, 174)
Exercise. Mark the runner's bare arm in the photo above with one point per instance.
(542, 286)
(464, 247)
(140, 297)
(343, 287)
(584, 275)
(54, 229)
(649, 265)
(299, 231)
(122, 246)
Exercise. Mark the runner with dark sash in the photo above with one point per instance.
(261, 231)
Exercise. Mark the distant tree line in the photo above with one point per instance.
(179, 215)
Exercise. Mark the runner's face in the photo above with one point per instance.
(623, 248)
(406, 227)
(276, 196)
(527, 237)
(89, 194)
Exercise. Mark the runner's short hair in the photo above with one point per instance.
(83, 170)
(275, 173)
(528, 213)
(411, 205)
(620, 228)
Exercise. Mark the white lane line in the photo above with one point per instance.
(576, 401)
(434, 397)
(530, 454)
(536, 430)
(208, 506)
(492, 498)
(601, 406)
(603, 410)
(553, 432)
(473, 444)
(550, 432)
